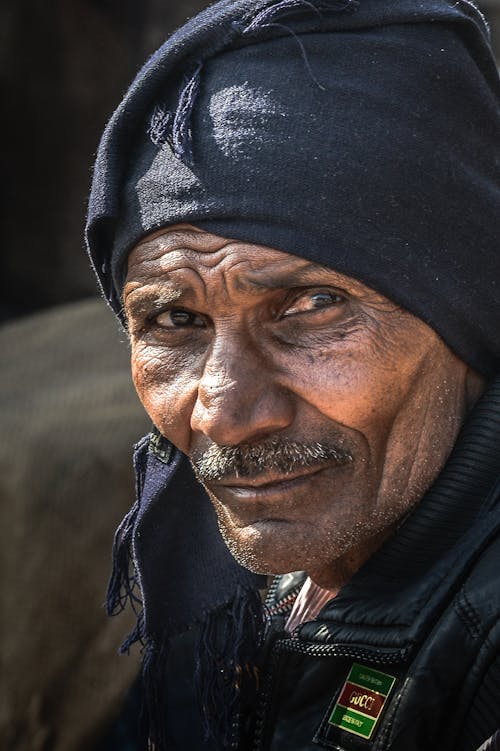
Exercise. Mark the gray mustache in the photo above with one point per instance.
(284, 457)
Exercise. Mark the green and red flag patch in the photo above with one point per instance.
(361, 700)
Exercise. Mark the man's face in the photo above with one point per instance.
(314, 410)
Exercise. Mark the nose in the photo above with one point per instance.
(240, 398)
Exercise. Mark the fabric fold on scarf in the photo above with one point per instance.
(173, 567)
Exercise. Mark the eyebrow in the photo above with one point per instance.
(304, 276)
(141, 301)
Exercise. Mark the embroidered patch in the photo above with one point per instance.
(361, 700)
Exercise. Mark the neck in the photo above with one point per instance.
(337, 573)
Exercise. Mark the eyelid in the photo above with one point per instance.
(152, 315)
(155, 310)
(296, 294)
(176, 308)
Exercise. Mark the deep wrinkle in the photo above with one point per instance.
(265, 362)
(305, 273)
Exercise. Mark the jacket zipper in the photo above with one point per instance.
(291, 645)
(284, 605)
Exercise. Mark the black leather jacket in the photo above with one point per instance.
(407, 656)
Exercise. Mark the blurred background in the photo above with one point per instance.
(68, 410)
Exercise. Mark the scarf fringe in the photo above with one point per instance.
(226, 674)
(155, 694)
(160, 124)
(266, 16)
(227, 668)
(181, 126)
(123, 584)
(174, 128)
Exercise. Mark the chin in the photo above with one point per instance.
(272, 547)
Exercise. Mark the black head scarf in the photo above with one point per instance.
(359, 135)
(363, 136)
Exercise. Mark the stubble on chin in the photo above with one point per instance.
(270, 550)
(337, 550)
(243, 551)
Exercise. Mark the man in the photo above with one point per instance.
(295, 212)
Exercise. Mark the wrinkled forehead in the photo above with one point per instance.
(172, 253)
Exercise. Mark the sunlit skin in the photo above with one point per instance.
(234, 344)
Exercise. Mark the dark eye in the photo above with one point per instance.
(314, 300)
(178, 318)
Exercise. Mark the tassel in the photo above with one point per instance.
(175, 129)
(155, 693)
(227, 663)
(268, 15)
(123, 584)
(160, 126)
(181, 129)
(267, 18)
(226, 671)
(137, 634)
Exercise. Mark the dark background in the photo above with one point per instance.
(65, 66)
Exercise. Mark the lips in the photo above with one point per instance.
(267, 485)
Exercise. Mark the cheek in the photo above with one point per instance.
(354, 390)
(167, 387)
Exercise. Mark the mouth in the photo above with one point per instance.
(269, 484)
